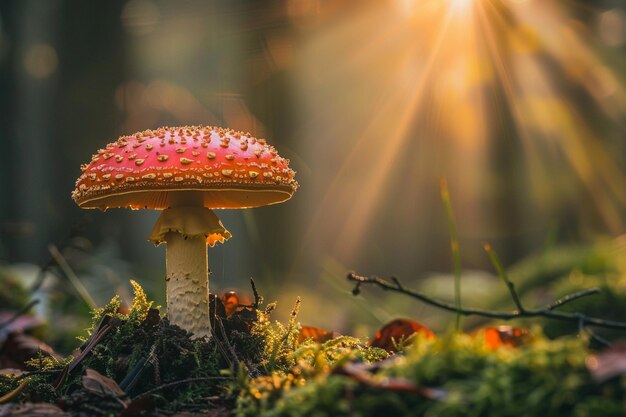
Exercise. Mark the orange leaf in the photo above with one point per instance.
(496, 337)
(318, 335)
(230, 299)
(395, 331)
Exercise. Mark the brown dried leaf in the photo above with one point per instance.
(97, 383)
(11, 371)
(397, 330)
(362, 374)
(11, 324)
(32, 410)
(20, 348)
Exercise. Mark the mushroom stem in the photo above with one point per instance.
(187, 230)
(188, 283)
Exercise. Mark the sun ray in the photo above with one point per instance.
(453, 78)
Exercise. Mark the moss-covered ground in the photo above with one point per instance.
(135, 363)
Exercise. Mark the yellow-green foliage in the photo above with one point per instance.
(278, 340)
(110, 309)
(544, 378)
(139, 310)
(46, 363)
(310, 363)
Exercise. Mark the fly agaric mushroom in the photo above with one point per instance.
(186, 172)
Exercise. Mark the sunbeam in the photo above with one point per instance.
(429, 87)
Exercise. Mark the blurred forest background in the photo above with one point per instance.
(520, 104)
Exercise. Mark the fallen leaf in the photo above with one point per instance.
(97, 383)
(9, 323)
(316, 334)
(11, 371)
(496, 337)
(360, 372)
(396, 331)
(230, 299)
(19, 348)
(235, 303)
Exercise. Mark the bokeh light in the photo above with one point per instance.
(40, 60)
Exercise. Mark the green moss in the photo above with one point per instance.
(545, 377)
(278, 341)
(37, 388)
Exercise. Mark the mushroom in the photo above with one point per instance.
(186, 172)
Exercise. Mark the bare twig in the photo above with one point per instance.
(547, 311)
(571, 297)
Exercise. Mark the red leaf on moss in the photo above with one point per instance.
(234, 303)
(230, 299)
(496, 337)
(396, 331)
(318, 335)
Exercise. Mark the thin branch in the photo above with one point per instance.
(397, 282)
(540, 312)
(571, 297)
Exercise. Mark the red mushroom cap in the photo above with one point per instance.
(231, 170)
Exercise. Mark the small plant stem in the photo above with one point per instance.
(454, 246)
(495, 261)
(72, 277)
